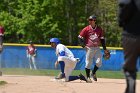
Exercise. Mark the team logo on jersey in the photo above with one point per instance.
(93, 37)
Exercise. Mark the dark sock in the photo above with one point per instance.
(94, 70)
(62, 66)
(72, 78)
(87, 72)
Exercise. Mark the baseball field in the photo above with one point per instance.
(42, 81)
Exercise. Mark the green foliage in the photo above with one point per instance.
(41, 20)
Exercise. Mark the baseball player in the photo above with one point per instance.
(90, 38)
(66, 56)
(1, 37)
(129, 19)
(31, 54)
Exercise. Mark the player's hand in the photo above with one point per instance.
(83, 46)
(34, 55)
(56, 64)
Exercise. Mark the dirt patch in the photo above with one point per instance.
(46, 84)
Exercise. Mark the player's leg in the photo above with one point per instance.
(70, 63)
(98, 64)
(68, 70)
(62, 66)
(34, 63)
(131, 55)
(89, 61)
(30, 62)
(80, 76)
(69, 67)
(63, 60)
(62, 74)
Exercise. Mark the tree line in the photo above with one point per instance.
(40, 20)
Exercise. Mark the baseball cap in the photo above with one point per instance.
(31, 42)
(93, 17)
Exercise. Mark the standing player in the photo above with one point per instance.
(31, 54)
(1, 37)
(129, 20)
(66, 56)
(1, 41)
(90, 38)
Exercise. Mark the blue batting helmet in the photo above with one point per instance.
(54, 40)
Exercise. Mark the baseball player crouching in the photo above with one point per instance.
(66, 56)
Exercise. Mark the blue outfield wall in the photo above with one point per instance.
(14, 56)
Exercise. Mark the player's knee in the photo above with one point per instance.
(130, 73)
(87, 66)
(62, 58)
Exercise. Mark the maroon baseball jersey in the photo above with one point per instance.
(92, 36)
(31, 49)
(1, 30)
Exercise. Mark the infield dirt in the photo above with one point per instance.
(46, 84)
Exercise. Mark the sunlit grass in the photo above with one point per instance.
(48, 72)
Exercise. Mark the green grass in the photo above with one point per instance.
(47, 72)
(3, 83)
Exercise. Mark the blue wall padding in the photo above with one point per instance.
(15, 57)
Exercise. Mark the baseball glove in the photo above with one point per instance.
(106, 54)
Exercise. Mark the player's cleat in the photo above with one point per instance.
(60, 76)
(94, 77)
(89, 80)
(82, 77)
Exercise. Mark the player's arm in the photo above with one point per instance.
(106, 54)
(56, 63)
(102, 39)
(27, 53)
(35, 51)
(103, 43)
(82, 37)
(61, 51)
